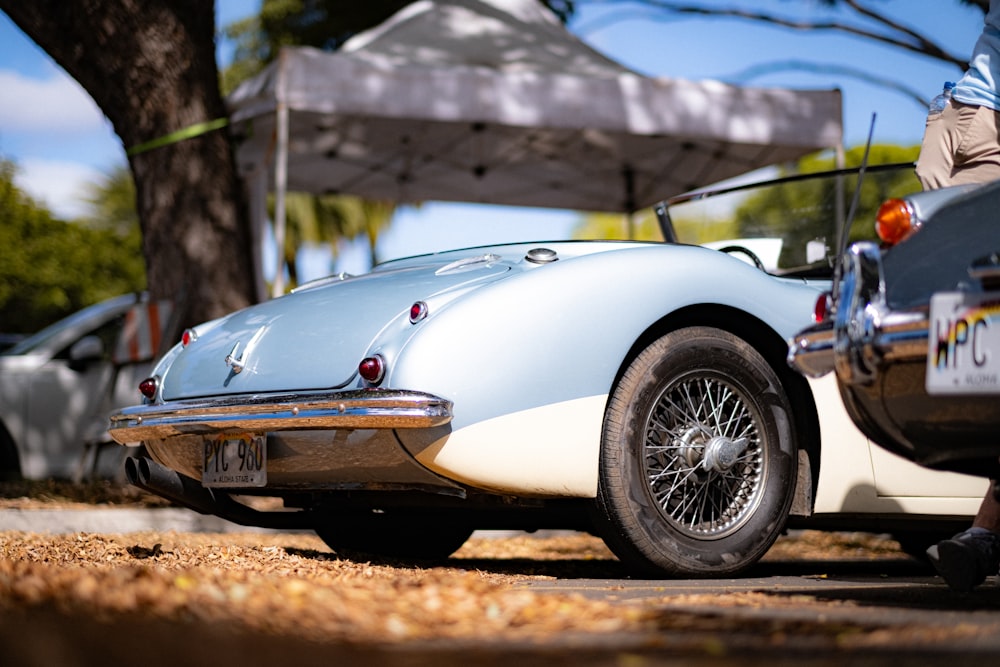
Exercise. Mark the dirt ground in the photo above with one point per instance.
(253, 599)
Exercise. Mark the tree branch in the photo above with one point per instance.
(905, 38)
(862, 75)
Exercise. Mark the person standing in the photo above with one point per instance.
(962, 145)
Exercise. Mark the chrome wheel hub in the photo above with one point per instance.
(704, 463)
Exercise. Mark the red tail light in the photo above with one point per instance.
(148, 387)
(189, 336)
(822, 308)
(372, 368)
(895, 221)
(418, 311)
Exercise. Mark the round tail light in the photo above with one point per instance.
(822, 308)
(418, 311)
(148, 387)
(372, 368)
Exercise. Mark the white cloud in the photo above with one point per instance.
(56, 104)
(60, 186)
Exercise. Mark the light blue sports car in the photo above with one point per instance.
(638, 390)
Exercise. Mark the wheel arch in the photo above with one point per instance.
(774, 349)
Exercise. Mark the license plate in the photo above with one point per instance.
(235, 460)
(963, 346)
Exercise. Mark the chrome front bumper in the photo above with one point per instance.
(864, 333)
(359, 409)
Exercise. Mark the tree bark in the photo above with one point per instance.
(150, 66)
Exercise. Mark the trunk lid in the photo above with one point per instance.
(314, 338)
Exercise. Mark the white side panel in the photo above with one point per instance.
(859, 476)
(895, 476)
(547, 451)
(846, 478)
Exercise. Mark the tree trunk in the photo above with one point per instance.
(150, 66)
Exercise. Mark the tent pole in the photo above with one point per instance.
(629, 174)
(280, 185)
(256, 183)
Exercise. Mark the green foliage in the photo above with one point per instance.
(50, 268)
(112, 203)
(617, 226)
(698, 230)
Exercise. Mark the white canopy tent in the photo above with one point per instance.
(494, 101)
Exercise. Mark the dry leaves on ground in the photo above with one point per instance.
(283, 584)
(292, 584)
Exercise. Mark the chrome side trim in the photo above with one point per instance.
(358, 409)
(902, 336)
(867, 332)
(810, 352)
(860, 307)
(864, 333)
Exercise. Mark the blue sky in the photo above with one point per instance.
(60, 140)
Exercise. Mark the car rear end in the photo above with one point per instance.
(913, 330)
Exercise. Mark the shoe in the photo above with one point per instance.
(967, 559)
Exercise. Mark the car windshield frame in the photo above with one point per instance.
(681, 222)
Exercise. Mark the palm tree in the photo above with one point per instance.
(325, 219)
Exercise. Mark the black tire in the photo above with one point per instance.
(383, 536)
(676, 497)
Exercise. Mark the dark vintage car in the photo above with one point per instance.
(913, 331)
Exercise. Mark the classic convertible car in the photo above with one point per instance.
(914, 331)
(638, 390)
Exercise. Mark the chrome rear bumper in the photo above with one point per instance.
(359, 409)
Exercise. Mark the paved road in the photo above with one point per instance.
(116, 520)
(890, 610)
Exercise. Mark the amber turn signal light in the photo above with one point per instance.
(895, 221)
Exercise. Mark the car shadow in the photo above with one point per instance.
(903, 566)
(902, 583)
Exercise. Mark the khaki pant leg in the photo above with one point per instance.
(977, 159)
(961, 145)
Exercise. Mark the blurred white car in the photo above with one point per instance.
(58, 386)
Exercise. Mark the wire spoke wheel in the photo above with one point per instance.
(703, 459)
(698, 457)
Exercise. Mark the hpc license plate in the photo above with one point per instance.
(235, 460)
(963, 346)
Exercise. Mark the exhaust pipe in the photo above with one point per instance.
(149, 475)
